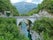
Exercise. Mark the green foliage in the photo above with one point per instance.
(44, 25)
(34, 11)
(9, 30)
(45, 5)
(5, 5)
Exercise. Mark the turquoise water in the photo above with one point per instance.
(24, 28)
(34, 35)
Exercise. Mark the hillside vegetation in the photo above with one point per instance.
(44, 27)
(45, 5)
(5, 5)
(9, 30)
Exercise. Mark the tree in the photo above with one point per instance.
(45, 5)
(44, 25)
(5, 5)
(9, 30)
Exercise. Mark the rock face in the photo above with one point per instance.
(35, 35)
(42, 13)
(5, 13)
(45, 14)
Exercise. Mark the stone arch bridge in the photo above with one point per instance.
(25, 19)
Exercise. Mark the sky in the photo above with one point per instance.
(29, 1)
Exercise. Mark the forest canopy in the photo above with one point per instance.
(9, 30)
(5, 5)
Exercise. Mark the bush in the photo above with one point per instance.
(44, 25)
(9, 30)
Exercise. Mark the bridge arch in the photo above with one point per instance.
(27, 21)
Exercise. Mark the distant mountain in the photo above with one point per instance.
(24, 7)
